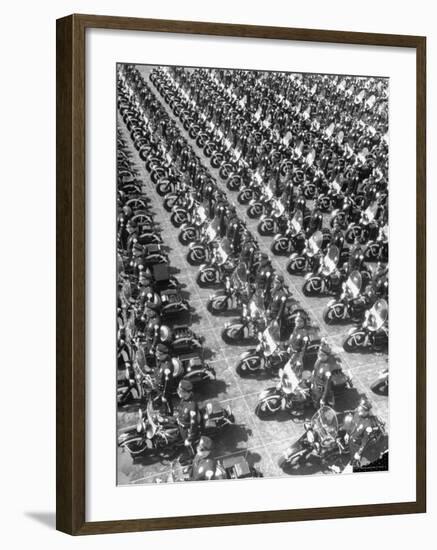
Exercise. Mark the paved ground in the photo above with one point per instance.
(261, 441)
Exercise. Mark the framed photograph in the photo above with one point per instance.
(240, 274)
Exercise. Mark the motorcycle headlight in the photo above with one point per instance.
(139, 426)
(310, 436)
(149, 433)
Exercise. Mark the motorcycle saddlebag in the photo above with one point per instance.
(237, 467)
(161, 272)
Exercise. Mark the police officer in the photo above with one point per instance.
(321, 387)
(359, 428)
(187, 415)
(204, 467)
(356, 256)
(276, 297)
(297, 343)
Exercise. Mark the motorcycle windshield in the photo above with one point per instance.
(353, 283)
(370, 211)
(377, 315)
(201, 213)
(330, 261)
(315, 242)
(211, 231)
(325, 424)
(297, 222)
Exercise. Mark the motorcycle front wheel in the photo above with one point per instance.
(196, 255)
(296, 265)
(233, 334)
(355, 341)
(280, 247)
(334, 313)
(207, 278)
(312, 287)
(248, 365)
(187, 235)
(266, 227)
(269, 407)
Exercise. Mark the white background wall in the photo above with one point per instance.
(27, 218)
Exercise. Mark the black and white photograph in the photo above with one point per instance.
(252, 274)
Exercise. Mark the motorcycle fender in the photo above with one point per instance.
(294, 256)
(309, 276)
(352, 330)
(248, 353)
(218, 294)
(331, 303)
(269, 392)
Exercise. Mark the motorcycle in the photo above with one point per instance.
(307, 259)
(372, 335)
(293, 239)
(349, 305)
(327, 279)
(290, 394)
(267, 356)
(221, 266)
(200, 250)
(377, 249)
(191, 231)
(365, 228)
(323, 441)
(158, 435)
(271, 223)
(245, 330)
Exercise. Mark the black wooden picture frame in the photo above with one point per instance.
(71, 248)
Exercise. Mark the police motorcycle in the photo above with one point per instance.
(330, 198)
(155, 434)
(244, 331)
(235, 292)
(229, 467)
(366, 228)
(221, 265)
(348, 214)
(291, 394)
(350, 305)
(268, 356)
(252, 190)
(148, 255)
(308, 259)
(192, 230)
(202, 250)
(262, 204)
(172, 302)
(179, 339)
(292, 239)
(324, 441)
(184, 210)
(177, 198)
(372, 334)
(377, 249)
(327, 279)
(272, 223)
